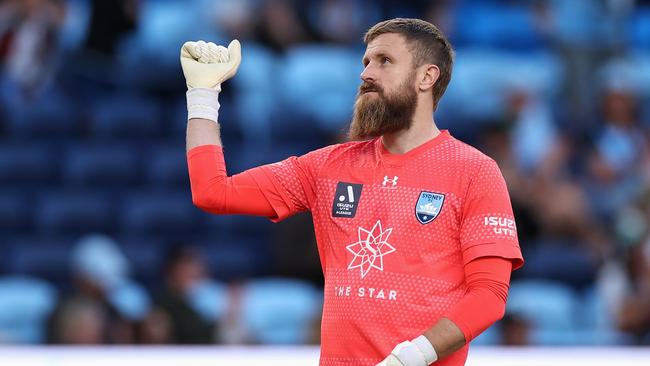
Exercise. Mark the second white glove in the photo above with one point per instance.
(418, 352)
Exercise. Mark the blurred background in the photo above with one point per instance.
(99, 241)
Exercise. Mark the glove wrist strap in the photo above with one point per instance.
(203, 103)
(423, 344)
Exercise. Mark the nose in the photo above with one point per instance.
(367, 74)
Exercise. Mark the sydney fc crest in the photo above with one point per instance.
(428, 206)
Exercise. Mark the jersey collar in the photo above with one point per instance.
(399, 159)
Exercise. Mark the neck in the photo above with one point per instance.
(422, 130)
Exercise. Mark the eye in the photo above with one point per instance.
(385, 60)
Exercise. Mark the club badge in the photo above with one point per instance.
(428, 206)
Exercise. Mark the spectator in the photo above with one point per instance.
(100, 274)
(184, 270)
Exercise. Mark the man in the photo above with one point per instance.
(415, 229)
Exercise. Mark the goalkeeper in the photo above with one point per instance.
(415, 229)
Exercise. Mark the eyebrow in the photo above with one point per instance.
(378, 54)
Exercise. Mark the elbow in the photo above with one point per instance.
(207, 202)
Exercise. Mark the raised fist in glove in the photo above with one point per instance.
(206, 65)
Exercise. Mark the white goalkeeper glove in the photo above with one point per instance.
(206, 66)
(418, 352)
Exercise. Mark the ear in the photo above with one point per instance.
(429, 75)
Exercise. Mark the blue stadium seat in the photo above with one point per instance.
(579, 337)
(73, 212)
(279, 310)
(549, 306)
(236, 224)
(52, 114)
(489, 337)
(639, 28)
(255, 92)
(14, 211)
(41, 256)
(232, 256)
(126, 116)
(26, 164)
(209, 298)
(242, 157)
(494, 25)
(158, 212)
(25, 304)
(153, 50)
(166, 165)
(145, 253)
(131, 300)
(75, 24)
(92, 164)
(480, 93)
(327, 95)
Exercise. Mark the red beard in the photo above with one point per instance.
(376, 115)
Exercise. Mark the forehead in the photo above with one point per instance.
(392, 43)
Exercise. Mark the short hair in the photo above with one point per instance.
(427, 44)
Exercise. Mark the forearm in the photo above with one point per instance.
(202, 132)
(446, 337)
(483, 303)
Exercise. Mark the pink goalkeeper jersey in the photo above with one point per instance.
(393, 233)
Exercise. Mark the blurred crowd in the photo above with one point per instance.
(92, 120)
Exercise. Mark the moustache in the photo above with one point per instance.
(367, 87)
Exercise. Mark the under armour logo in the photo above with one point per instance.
(387, 180)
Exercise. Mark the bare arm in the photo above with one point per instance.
(202, 132)
(446, 337)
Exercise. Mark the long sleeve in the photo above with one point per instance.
(484, 302)
(215, 192)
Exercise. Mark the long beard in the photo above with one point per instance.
(382, 114)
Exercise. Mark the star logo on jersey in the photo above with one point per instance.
(371, 248)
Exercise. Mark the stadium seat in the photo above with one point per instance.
(236, 224)
(327, 95)
(14, 211)
(145, 253)
(75, 24)
(489, 337)
(52, 114)
(494, 25)
(25, 304)
(279, 310)
(639, 28)
(166, 165)
(233, 256)
(158, 212)
(104, 165)
(549, 306)
(126, 116)
(153, 50)
(209, 299)
(539, 73)
(131, 300)
(26, 164)
(41, 256)
(255, 92)
(73, 212)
